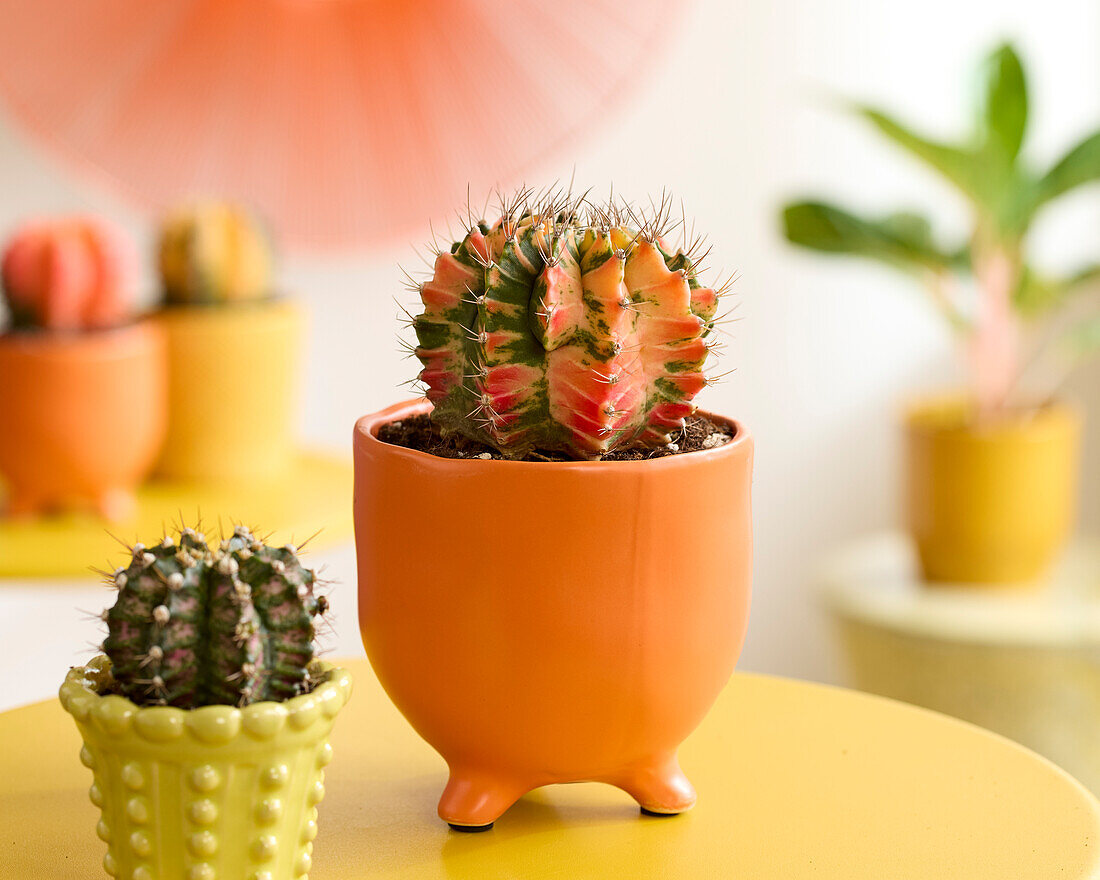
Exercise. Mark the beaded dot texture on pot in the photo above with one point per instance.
(205, 778)
(137, 808)
(203, 844)
(203, 812)
(140, 843)
(276, 776)
(268, 811)
(265, 847)
(132, 776)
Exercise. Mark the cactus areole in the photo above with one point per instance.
(195, 626)
(564, 327)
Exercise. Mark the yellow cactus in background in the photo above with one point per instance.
(214, 252)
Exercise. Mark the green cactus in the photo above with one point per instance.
(194, 626)
(564, 327)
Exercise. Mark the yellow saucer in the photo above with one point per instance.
(796, 782)
(313, 494)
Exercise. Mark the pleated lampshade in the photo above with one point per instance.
(346, 122)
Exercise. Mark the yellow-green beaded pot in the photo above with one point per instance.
(216, 793)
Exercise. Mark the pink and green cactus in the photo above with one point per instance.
(564, 327)
(69, 273)
(195, 626)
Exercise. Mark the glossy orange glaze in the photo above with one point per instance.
(82, 417)
(552, 622)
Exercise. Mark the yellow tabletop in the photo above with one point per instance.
(795, 781)
(314, 494)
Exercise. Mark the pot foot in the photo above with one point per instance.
(473, 801)
(660, 787)
(470, 829)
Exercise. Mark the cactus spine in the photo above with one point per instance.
(563, 329)
(195, 626)
(214, 253)
(69, 273)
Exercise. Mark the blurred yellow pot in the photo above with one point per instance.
(217, 793)
(990, 503)
(232, 390)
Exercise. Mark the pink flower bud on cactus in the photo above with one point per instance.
(69, 273)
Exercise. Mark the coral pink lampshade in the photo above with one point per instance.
(347, 122)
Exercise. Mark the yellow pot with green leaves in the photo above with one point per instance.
(214, 793)
(990, 502)
(991, 483)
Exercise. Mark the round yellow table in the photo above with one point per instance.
(795, 781)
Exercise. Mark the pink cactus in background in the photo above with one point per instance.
(69, 273)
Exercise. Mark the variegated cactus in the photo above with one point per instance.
(195, 626)
(564, 327)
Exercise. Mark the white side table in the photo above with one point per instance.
(1025, 664)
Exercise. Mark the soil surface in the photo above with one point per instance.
(418, 432)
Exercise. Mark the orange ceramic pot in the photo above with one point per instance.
(82, 417)
(543, 622)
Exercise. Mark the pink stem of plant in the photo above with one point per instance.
(994, 344)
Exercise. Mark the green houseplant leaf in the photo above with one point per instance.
(903, 240)
(965, 168)
(1079, 166)
(1005, 193)
(1004, 114)
(986, 172)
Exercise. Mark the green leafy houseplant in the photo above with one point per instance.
(1010, 314)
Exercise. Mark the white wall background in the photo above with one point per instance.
(735, 119)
